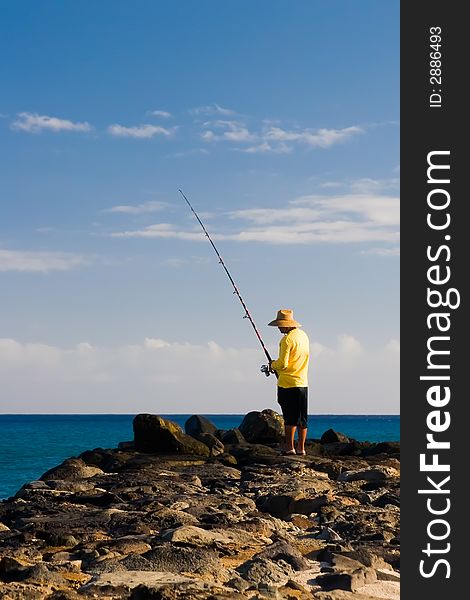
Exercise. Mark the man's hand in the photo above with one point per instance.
(266, 369)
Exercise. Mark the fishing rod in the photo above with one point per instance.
(235, 289)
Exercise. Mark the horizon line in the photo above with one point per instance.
(202, 414)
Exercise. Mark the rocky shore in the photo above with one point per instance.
(209, 514)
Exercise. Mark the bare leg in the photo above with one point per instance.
(290, 433)
(301, 440)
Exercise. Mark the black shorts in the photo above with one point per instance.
(294, 404)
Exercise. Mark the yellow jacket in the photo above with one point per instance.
(292, 364)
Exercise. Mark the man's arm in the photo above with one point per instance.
(284, 351)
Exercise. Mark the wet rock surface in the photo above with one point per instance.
(181, 521)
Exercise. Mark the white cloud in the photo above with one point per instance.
(375, 208)
(321, 138)
(365, 185)
(265, 147)
(392, 251)
(39, 262)
(160, 113)
(331, 184)
(274, 139)
(333, 219)
(212, 109)
(231, 131)
(155, 343)
(393, 346)
(137, 209)
(160, 230)
(34, 123)
(350, 218)
(162, 376)
(349, 346)
(145, 131)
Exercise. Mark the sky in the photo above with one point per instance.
(279, 121)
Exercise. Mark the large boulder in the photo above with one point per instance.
(350, 581)
(282, 506)
(215, 445)
(334, 437)
(71, 470)
(265, 427)
(233, 436)
(152, 433)
(282, 550)
(198, 424)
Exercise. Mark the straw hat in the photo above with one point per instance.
(285, 318)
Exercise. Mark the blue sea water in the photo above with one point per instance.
(32, 444)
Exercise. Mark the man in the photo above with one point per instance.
(292, 385)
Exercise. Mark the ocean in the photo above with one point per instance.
(32, 444)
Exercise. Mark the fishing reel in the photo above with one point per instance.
(266, 370)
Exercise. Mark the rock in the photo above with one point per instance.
(307, 506)
(196, 536)
(233, 436)
(338, 562)
(354, 448)
(368, 558)
(329, 535)
(12, 569)
(63, 539)
(41, 574)
(105, 583)
(387, 575)
(168, 518)
(70, 486)
(268, 591)
(197, 424)
(72, 469)
(129, 545)
(176, 559)
(349, 581)
(342, 595)
(287, 553)
(263, 570)
(226, 459)
(238, 583)
(387, 498)
(314, 448)
(23, 591)
(373, 474)
(284, 505)
(155, 434)
(302, 522)
(333, 437)
(101, 499)
(295, 585)
(126, 445)
(184, 590)
(110, 461)
(215, 445)
(35, 485)
(248, 454)
(265, 427)
(390, 448)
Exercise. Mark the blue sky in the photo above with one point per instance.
(279, 120)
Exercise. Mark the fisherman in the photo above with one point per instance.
(292, 385)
